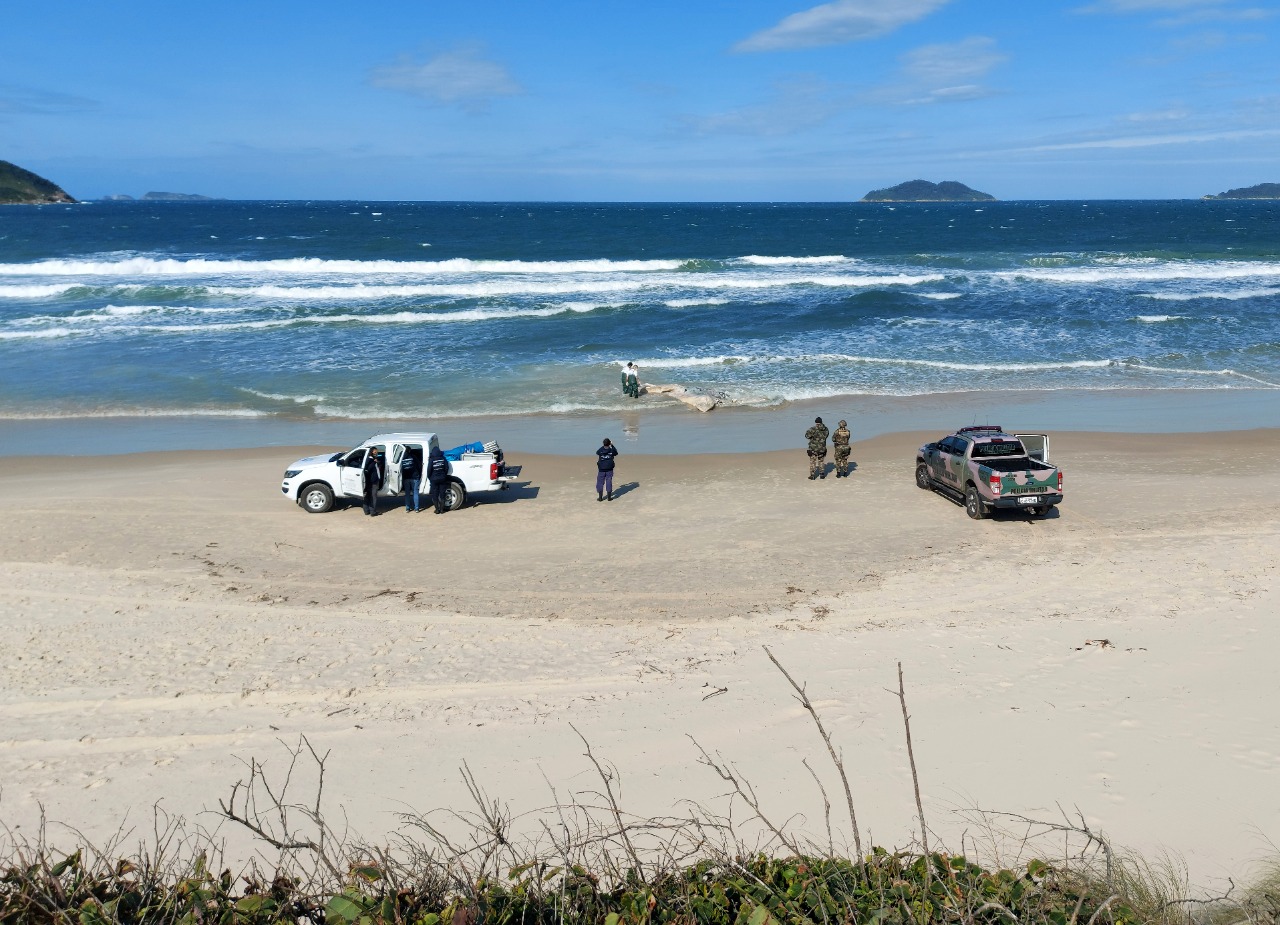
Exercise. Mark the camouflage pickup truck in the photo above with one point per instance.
(987, 469)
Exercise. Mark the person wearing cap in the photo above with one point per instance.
(817, 437)
(375, 474)
(840, 443)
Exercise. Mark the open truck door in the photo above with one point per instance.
(1036, 445)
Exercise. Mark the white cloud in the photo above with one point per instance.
(462, 77)
(944, 73)
(839, 22)
(1151, 141)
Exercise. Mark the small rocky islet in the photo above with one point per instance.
(926, 191)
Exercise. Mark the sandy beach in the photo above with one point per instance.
(167, 616)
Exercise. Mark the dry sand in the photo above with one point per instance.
(167, 616)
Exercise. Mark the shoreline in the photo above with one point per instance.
(654, 428)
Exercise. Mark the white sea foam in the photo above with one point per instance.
(1146, 273)
(1231, 373)
(519, 287)
(942, 365)
(760, 261)
(311, 266)
(1233, 295)
(272, 396)
(36, 291)
(44, 334)
(690, 303)
(73, 414)
(1157, 319)
(940, 296)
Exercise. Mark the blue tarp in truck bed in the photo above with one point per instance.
(455, 454)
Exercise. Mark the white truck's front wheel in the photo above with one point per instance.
(317, 498)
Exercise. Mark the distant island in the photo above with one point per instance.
(924, 191)
(1261, 191)
(159, 197)
(24, 187)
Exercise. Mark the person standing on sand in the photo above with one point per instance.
(817, 437)
(375, 474)
(604, 469)
(840, 442)
(438, 476)
(411, 479)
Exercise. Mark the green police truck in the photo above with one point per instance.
(988, 469)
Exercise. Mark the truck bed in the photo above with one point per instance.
(1014, 464)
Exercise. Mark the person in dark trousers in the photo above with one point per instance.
(817, 437)
(438, 476)
(375, 474)
(605, 457)
(411, 479)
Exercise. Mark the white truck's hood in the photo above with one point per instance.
(308, 461)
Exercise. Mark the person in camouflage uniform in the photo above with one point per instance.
(840, 441)
(631, 380)
(817, 437)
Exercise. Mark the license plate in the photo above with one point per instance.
(1031, 500)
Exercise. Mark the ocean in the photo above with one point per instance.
(355, 311)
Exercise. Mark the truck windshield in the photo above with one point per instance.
(998, 448)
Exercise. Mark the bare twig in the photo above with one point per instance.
(826, 806)
(911, 757)
(742, 787)
(835, 757)
(607, 779)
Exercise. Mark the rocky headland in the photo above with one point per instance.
(925, 191)
(19, 186)
(1258, 191)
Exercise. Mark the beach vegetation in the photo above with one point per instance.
(584, 860)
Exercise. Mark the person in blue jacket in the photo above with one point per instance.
(411, 479)
(604, 469)
(438, 476)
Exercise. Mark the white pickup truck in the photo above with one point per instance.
(317, 483)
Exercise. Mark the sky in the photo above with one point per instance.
(700, 100)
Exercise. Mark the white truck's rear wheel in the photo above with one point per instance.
(317, 498)
(455, 496)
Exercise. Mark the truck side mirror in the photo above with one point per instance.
(341, 461)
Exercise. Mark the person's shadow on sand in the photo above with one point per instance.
(624, 489)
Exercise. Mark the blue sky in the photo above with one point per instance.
(758, 100)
